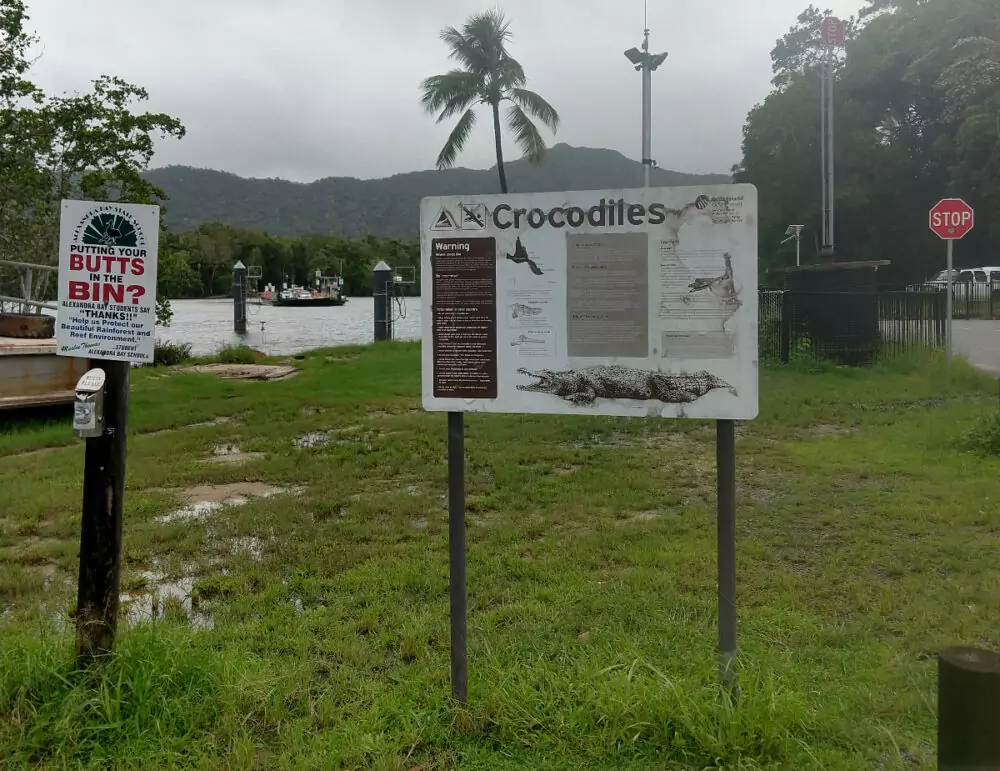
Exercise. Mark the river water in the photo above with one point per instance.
(208, 324)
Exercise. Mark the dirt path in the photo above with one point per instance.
(979, 341)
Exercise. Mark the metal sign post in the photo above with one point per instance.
(456, 555)
(950, 219)
(725, 454)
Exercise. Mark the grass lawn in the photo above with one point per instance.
(309, 629)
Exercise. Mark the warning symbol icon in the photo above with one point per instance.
(445, 220)
(473, 216)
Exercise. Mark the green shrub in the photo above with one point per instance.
(984, 437)
(237, 354)
(167, 354)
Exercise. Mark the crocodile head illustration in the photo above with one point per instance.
(546, 381)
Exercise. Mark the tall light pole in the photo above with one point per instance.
(832, 34)
(795, 231)
(646, 63)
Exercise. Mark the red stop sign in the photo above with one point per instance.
(951, 218)
(832, 31)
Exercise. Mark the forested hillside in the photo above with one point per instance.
(348, 206)
(917, 119)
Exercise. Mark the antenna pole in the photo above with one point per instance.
(647, 120)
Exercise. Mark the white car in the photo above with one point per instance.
(962, 281)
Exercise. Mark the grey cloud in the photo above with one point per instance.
(310, 88)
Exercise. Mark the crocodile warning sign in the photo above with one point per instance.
(464, 318)
(639, 302)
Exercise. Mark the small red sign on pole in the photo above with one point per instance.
(832, 31)
(952, 219)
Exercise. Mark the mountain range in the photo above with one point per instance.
(349, 206)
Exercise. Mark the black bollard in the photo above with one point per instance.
(382, 292)
(968, 709)
(240, 298)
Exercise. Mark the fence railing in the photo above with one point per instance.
(30, 280)
(850, 327)
(970, 299)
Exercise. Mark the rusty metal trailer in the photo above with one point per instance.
(31, 374)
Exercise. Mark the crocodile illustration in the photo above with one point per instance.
(585, 386)
(720, 286)
(522, 339)
(517, 310)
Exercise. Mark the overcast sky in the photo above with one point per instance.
(303, 89)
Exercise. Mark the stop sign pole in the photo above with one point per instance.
(951, 219)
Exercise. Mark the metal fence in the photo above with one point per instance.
(848, 327)
(970, 299)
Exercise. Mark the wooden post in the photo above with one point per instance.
(968, 709)
(101, 527)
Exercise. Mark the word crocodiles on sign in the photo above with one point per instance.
(585, 386)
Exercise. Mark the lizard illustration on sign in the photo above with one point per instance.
(585, 386)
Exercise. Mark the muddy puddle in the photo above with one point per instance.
(231, 454)
(312, 439)
(322, 438)
(151, 602)
(207, 499)
(219, 421)
(250, 545)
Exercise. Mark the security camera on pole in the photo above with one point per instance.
(832, 33)
(646, 63)
(795, 231)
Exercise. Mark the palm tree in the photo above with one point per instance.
(489, 75)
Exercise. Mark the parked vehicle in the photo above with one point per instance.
(964, 281)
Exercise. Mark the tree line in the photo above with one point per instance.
(199, 262)
(917, 106)
(917, 119)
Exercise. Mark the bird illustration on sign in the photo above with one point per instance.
(521, 257)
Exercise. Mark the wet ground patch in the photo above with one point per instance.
(232, 455)
(266, 372)
(207, 499)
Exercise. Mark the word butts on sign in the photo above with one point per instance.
(621, 302)
(107, 280)
(951, 219)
